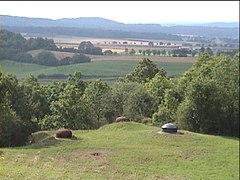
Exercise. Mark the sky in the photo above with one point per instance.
(160, 12)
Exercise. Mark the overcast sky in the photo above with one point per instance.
(128, 11)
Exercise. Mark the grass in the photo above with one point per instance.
(95, 69)
(124, 151)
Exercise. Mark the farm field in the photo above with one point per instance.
(116, 45)
(123, 151)
(100, 67)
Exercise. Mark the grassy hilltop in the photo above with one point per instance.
(123, 151)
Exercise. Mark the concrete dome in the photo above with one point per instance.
(169, 128)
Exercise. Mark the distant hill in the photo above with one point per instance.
(212, 24)
(222, 24)
(209, 30)
(83, 22)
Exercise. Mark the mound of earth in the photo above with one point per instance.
(125, 126)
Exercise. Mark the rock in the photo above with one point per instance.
(121, 119)
(64, 133)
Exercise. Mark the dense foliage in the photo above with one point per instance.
(204, 99)
(211, 96)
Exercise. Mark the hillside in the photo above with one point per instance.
(71, 25)
(123, 151)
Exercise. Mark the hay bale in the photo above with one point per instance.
(121, 119)
(64, 133)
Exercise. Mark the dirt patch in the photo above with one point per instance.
(190, 155)
(97, 155)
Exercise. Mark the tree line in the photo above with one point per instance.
(15, 47)
(184, 52)
(204, 99)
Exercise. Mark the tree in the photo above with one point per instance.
(202, 49)
(87, 47)
(157, 87)
(139, 104)
(144, 52)
(164, 52)
(193, 53)
(11, 127)
(67, 107)
(209, 51)
(75, 79)
(144, 71)
(167, 109)
(148, 51)
(40, 43)
(69, 111)
(132, 52)
(36, 98)
(15, 117)
(46, 58)
(96, 98)
(132, 100)
(154, 52)
(150, 43)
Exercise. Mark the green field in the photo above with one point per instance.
(97, 69)
(123, 151)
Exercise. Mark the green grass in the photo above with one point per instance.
(96, 69)
(20, 69)
(124, 151)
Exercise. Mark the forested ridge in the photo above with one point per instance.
(204, 99)
(104, 28)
